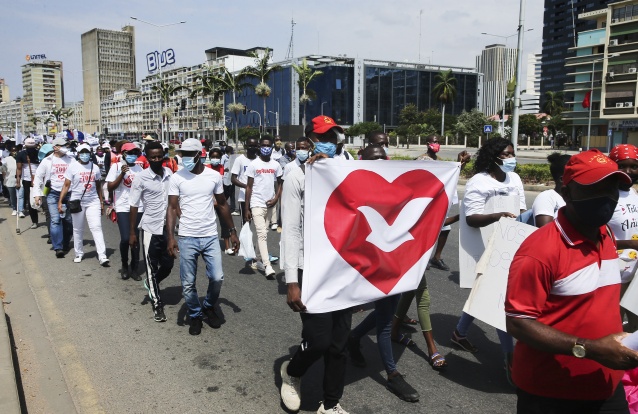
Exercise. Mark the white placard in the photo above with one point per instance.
(487, 299)
(472, 241)
(629, 300)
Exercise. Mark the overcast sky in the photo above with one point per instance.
(389, 30)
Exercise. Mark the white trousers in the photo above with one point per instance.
(92, 210)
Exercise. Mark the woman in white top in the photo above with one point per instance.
(547, 203)
(8, 169)
(494, 176)
(119, 181)
(82, 178)
(624, 222)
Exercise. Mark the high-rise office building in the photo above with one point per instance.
(497, 63)
(42, 86)
(4, 91)
(108, 65)
(560, 24)
(533, 74)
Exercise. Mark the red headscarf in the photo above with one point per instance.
(624, 152)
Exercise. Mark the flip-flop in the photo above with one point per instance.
(437, 361)
(409, 321)
(404, 340)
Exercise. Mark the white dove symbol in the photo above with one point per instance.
(389, 238)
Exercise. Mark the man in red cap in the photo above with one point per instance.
(562, 300)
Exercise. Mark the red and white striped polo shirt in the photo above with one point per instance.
(562, 280)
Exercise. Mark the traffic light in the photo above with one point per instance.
(245, 110)
(183, 105)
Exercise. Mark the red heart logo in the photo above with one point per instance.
(347, 227)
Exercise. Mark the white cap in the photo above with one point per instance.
(83, 147)
(59, 141)
(191, 144)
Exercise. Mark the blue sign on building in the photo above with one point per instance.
(156, 60)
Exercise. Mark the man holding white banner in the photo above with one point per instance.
(360, 245)
(562, 300)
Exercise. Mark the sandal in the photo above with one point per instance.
(437, 361)
(404, 340)
(409, 321)
(463, 343)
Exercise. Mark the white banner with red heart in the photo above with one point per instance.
(370, 228)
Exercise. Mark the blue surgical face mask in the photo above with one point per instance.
(265, 151)
(302, 155)
(84, 157)
(215, 161)
(387, 150)
(190, 162)
(508, 165)
(327, 148)
(130, 158)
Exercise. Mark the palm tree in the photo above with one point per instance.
(59, 115)
(554, 103)
(306, 75)
(35, 121)
(444, 91)
(261, 71)
(166, 90)
(210, 86)
(233, 84)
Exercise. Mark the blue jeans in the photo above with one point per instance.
(381, 317)
(61, 228)
(189, 250)
(507, 342)
(13, 198)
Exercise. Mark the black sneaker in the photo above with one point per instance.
(402, 389)
(133, 274)
(439, 264)
(196, 326)
(124, 272)
(159, 315)
(354, 349)
(213, 319)
(59, 254)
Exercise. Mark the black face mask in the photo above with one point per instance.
(595, 211)
(252, 151)
(626, 187)
(156, 165)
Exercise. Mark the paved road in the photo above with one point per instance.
(115, 359)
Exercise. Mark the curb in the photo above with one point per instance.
(526, 187)
(9, 399)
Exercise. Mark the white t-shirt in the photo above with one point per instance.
(547, 203)
(291, 166)
(59, 166)
(225, 161)
(82, 177)
(264, 174)
(196, 194)
(624, 222)
(239, 168)
(122, 191)
(482, 186)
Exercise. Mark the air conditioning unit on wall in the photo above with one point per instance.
(618, 104)
(629, 104)
(613, 42)
(614, 20)
(632, 70)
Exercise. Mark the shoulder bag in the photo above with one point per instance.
(75, 206)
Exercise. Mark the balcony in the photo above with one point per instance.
(622, 77)
(620, 111)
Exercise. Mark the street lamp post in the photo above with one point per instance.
(322, 104)
(276, 120)
(591, 94)
(159, 57)
(259, 115)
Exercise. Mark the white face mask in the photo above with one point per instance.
(63, 150)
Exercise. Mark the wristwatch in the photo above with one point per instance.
(579, 348)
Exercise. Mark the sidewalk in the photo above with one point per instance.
(9, 399)
(523, 151)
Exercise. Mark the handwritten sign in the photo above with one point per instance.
(487, 299)
(472, 241)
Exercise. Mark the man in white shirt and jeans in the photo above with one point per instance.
(191, 193)
(261, 197)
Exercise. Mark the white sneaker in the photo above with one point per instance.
(290, 389)
(274, 226)
(14, 213)
(234, 213)
(334, 410)
(270, 272)
(21, 215)
(104, 261)
(259, 265)
(229, 252)
(77, 259)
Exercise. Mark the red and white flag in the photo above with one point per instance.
(370, 228)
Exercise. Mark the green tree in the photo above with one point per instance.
(444, 91)
(528, 124)
(554, 103)
(209, 86)
(35, 121)
(166, 90)
(412, 124)
(261, 71)
(306, 75)
(233, 84)
(59, 115)
(363, 128)
(471, 124)
(555, 124)
(248, 132)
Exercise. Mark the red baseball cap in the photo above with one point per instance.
(129, 146)
(590, 167)
(322, 124)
